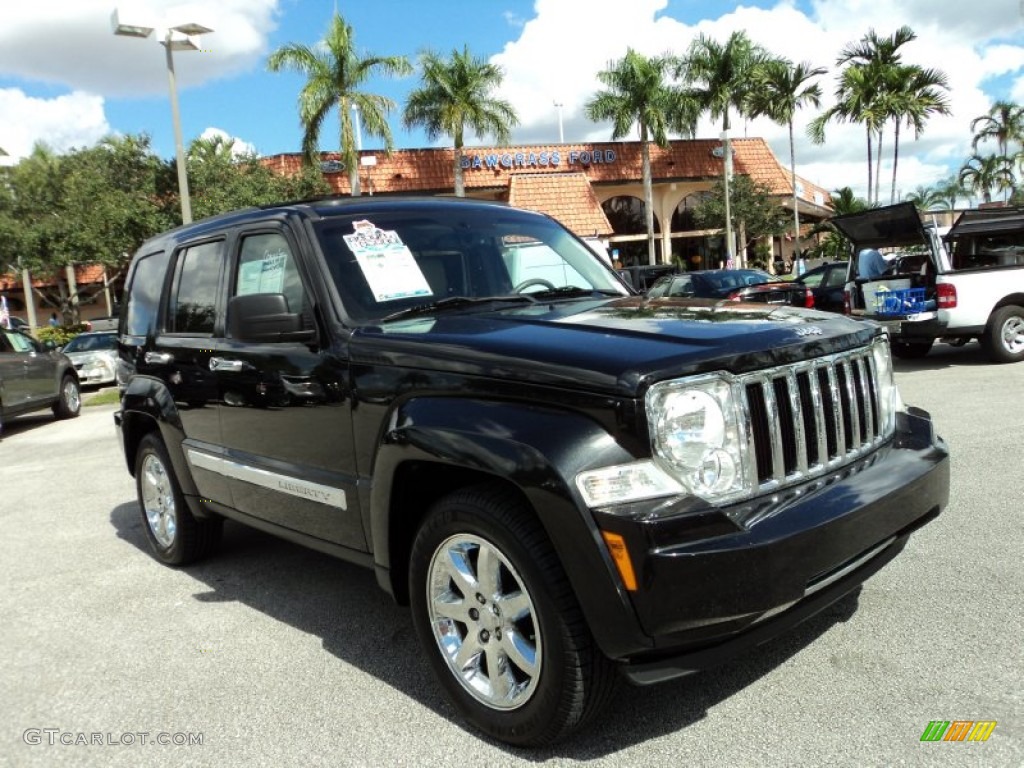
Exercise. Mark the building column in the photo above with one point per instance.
(30, 300)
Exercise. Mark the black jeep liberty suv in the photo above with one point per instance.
(567, 482)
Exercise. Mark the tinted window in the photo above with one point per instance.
(266, 264)
(90, 342)
(193, 304)
(144, 293)
(402, 258)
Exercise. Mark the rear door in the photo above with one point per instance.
(13, 381)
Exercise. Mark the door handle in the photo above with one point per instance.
(225, 365)
(159, 358)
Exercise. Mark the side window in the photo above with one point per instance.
(20, 342)
(143, 293)
(193, 301)
(836, 278)
(266, 264)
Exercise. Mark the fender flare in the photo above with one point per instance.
(147, 404)
(539, 450)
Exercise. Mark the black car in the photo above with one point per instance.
(567, 482)
(731, 284)
(826, 283)
(34, 377)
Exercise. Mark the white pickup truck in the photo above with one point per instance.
(965, 284)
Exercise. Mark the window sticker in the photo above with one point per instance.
(387, 263)
(264, 275)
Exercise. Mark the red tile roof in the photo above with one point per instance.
(85, 274)
(567, 197)
(431, 171)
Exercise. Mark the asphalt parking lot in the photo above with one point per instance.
(270, 654)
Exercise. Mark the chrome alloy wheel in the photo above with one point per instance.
(70, 393)
(1013, 335)
(484, 622)
(158, 501)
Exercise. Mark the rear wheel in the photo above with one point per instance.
(69, 399)
(1004, 336)
(499, 622)
(911, 350)
(175, 535)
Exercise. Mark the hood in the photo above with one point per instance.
(614, 345)
(892, 225)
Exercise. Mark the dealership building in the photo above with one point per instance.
(594, 189)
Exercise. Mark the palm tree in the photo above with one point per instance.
(916, 95)
(1004, 123)
(951, 190)
(927, 198)
(854, 103)
(880, 59)
(335, 72)
(637, 94)
(720, 77)
(456, 95)
(983, 174)
(782, 89)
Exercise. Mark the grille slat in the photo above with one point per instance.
(806, 419)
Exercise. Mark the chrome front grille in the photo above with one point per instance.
(808, 418)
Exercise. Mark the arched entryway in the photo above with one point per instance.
(626, 215)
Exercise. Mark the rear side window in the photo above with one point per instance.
(143, 293)
(193, 301)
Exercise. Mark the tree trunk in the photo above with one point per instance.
(796, 197)
(895, 160)
(870, 162)
(727, 177)
(878, 166)
(460, 180)
(645, 151)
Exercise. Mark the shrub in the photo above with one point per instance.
(59, 334)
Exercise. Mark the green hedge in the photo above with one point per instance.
(59, 334)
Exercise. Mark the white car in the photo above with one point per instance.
(94, 356)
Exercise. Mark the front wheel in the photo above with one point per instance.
(69, 399)
(1004, 336)
(175, 535)
(911, 350)
(500, 624)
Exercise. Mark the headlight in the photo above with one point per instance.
(697, 436)
(889, 400)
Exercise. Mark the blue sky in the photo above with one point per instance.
(66, 80)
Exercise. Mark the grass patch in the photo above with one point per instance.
(107, 397)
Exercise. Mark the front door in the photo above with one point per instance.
(286, 424)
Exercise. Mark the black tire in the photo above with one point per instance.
(1004, 335)
(69, 398)
(174, 534)
(911, 350)
(570, 682)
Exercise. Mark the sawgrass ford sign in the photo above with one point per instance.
(497, 161)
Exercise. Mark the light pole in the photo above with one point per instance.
(171, 42)
(561, 134)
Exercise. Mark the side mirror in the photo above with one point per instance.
(264, 317)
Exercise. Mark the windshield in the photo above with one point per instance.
(407, 257)
(92, 342)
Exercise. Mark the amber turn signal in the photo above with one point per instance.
(620, 555)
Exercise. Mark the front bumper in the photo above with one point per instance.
(715, 583)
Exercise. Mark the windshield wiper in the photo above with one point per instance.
(570, 291)
(456, 302)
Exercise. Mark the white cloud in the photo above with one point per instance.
(559, 52)
(73, 120)
(239, 147)
(73, 44)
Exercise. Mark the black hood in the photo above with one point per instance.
(618, 345)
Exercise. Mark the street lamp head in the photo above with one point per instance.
(179, 43)
(128, 30)
(192, 29)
